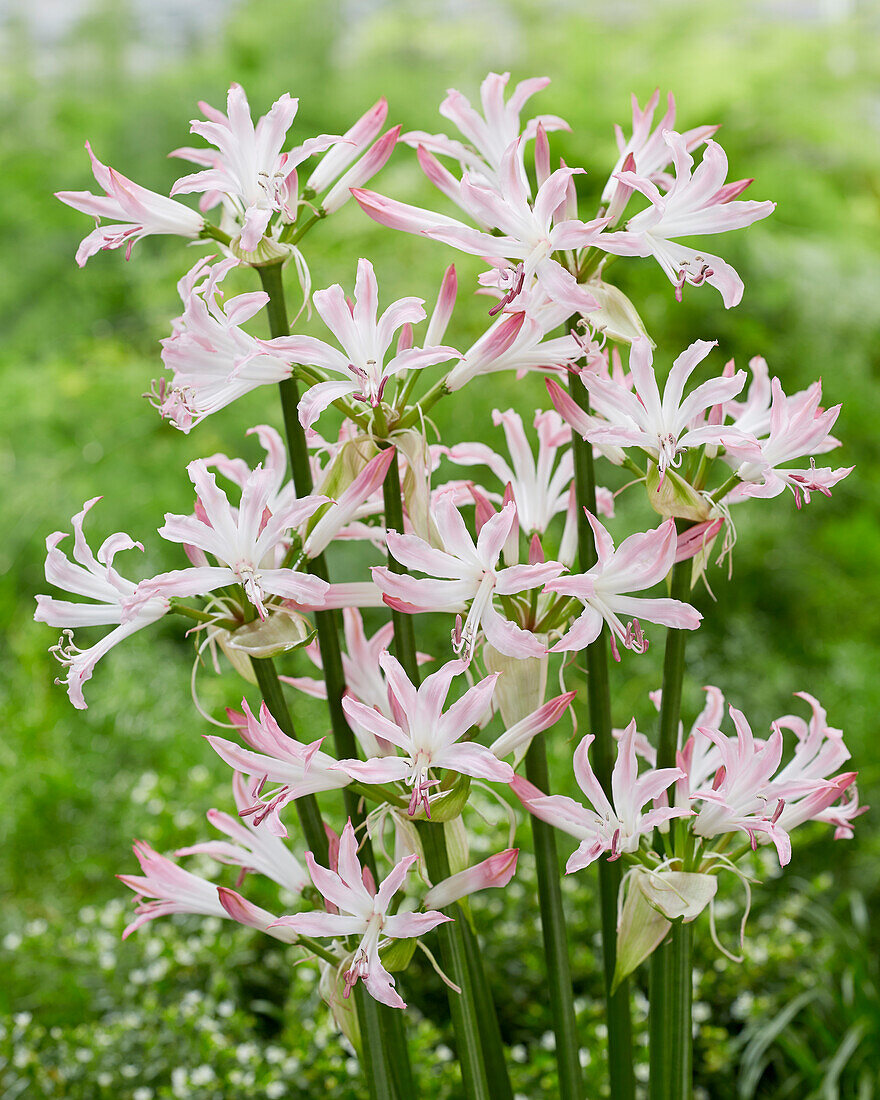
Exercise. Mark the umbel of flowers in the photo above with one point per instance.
(525, 564)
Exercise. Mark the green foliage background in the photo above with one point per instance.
(796, 90)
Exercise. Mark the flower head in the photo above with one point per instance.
(698, 202)
(466, 572)
(640, 561)
(242, 540)
(616, 824)
(428, 737)
(362, 910)
(213, 361)
(116, 600)
(365, 340)
(134, 211)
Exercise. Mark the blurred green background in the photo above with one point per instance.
(188, 1009)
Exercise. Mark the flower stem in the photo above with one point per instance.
(378, 1023)
(571, 1084)
(620, 1048)
(480, 1051)
(671, 1035)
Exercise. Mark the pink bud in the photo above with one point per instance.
(360, 173)
(497, 870)
(443, 309)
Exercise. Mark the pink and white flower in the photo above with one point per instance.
(697, 203)
(465, 572)
(640, 562)
(650, 153)
(517, 342)
(117, 601)
(540, 488)
(427, 736)
(491, 873)
(664, 428)
(133, 211)
(171, 889)
(273, 757)
(528, 232)
(362, 910)
(798, 426)
(248, 174)
(249, 847)
(242, 540)
(491, 134)
(213, 361)
(614, 825)
(365, 340)
(364, 679)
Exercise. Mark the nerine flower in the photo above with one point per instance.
(465, 572)
(362, 910)
(640, 561)
(133, 211)
(242, 540)
(213, 361)
(614, 825)
(365, 341)
(517, 342)
(249, 174)
(749, 792)
(649, 151)
(698, 202)
(427, 736)
(254, 180)
(249, 847)
(664, 428)
(171, 889)
(528, 232)
(117, 601)
(273, 757)
(491, 134)
(798, 426)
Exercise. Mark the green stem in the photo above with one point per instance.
(475, 1022)
(571, 1084)
(617, 1004)
(721, 492)
(671, 976)
(394, 1053)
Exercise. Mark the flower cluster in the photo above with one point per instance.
(519, 571)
